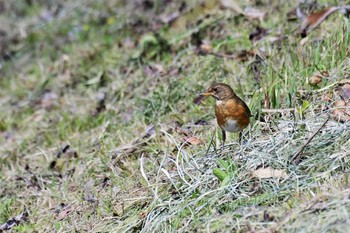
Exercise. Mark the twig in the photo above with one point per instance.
(281, 110)
(297, 154)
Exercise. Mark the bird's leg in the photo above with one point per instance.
(223, 137)
(240, 137)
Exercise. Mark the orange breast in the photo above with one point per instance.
(234, 111)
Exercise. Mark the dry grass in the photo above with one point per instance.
(97, 105)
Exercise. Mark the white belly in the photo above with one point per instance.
(219, 102)
(231, 126)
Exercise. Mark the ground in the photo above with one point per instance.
(100, 132)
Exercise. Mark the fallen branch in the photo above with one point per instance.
(297, 154)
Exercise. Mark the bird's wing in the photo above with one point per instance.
(236, 107)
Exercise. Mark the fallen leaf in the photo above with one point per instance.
(341, 111)
(65, 212)
(343, 90)
(193, 140)
(206, 47)
(315, 19)
(317, 77)
(268, 172)
(152, 70)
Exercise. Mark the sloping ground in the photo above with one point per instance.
(99, 131)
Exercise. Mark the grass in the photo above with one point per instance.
(96, 104)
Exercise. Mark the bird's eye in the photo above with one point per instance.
(215, 89)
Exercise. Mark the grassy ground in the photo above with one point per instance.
(97, 103)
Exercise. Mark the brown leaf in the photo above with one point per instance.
(317, 77)
(65, 212)
(193, 140)
(205, 47)
(343, 89)
(152, 70)
(342, 111)
(315, 19)
(346, 91)
(268, 172)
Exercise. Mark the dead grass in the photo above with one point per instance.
(97, 105)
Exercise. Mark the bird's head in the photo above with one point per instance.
(220, 91)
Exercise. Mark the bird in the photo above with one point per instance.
(232, 113)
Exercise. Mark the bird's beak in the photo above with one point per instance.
(206, 94)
